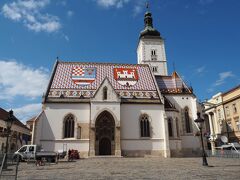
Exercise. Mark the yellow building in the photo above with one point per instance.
(222, 115)
(231, 104)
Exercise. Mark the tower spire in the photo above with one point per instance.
(148, 25)
(151, 48)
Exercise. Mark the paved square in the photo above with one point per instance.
(134, 168)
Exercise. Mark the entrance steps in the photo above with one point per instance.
(107, 156)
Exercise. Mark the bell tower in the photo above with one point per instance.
(151, 48)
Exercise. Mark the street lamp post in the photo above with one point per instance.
(200, 122)
(9, 122)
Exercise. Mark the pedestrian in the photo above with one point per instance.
(69, 153)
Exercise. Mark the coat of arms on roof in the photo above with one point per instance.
(126, 76)
(83, 75)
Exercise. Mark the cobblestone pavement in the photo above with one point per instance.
(134, 168)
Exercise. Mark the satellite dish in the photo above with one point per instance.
(224, 139)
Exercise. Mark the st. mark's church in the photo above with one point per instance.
(119, 109)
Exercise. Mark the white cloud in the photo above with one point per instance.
(223, 77)
(112, 3)
(62, 3)
(28, 111)
(65, 37)
(17, 79)
(138, 7)
(29, 13)
(70, 13)
(200, 69)
(210, 90)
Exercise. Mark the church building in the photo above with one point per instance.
(119, 109)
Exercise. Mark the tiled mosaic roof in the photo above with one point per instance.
(172, 84)
(66, 80)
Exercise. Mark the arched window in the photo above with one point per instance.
(153, 52)
(69, 125)
(145, 126)
(187, 121)
(170, 130)
(105, 93)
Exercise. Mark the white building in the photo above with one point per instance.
(119, 109)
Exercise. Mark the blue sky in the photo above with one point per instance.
(201, 38)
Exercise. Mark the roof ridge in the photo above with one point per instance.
(107, 63)
(230, 90)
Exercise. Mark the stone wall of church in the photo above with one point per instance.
(175, 141)
(132, 144)
(189, 143)
(49, 129)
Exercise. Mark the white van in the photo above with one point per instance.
(34, 152)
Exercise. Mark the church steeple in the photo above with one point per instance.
(151, 48)
(148, 28)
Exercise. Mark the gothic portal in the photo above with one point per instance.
(105, 134)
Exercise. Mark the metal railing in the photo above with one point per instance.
(8, 166)
(223, 153)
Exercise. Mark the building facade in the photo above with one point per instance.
(119, 109)
(231, 105)
(29, 124)
(222, 112)
(20, 134)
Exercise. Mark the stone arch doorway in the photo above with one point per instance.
(105, 134)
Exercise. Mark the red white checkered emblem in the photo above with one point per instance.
(77, 71)
(83, 76)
